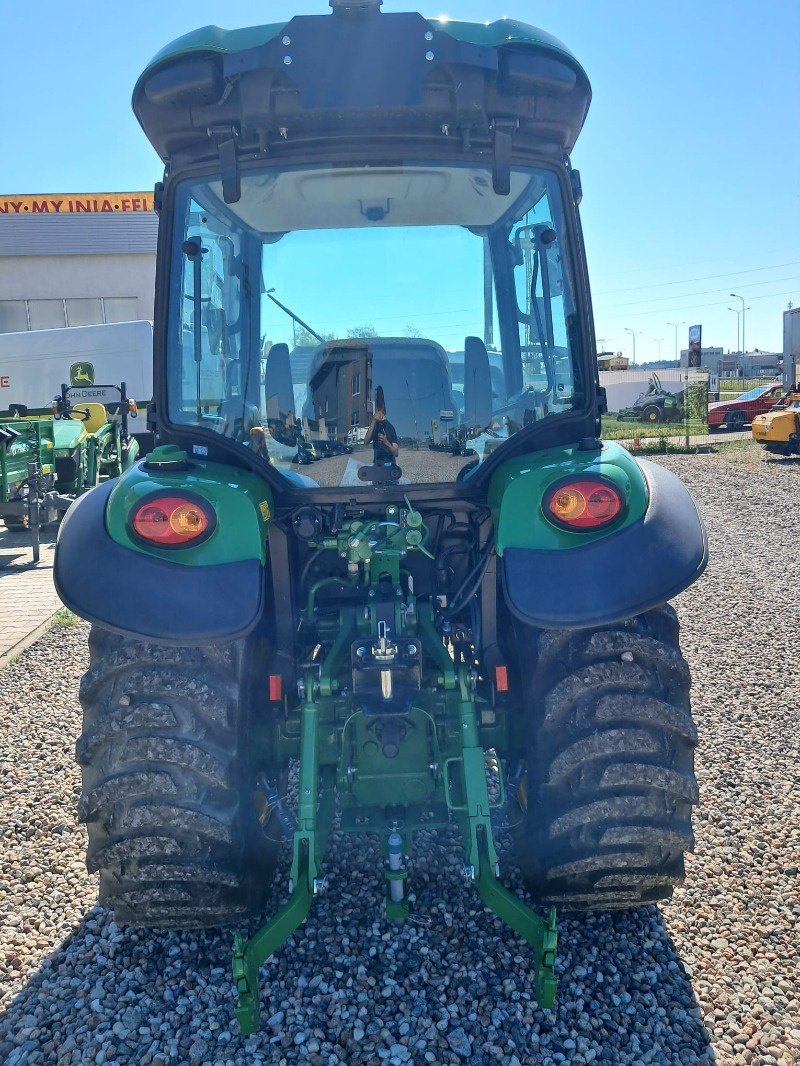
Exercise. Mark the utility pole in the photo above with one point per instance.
(634, 334)
(676, 324)
(738, 314)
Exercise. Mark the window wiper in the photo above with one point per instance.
(293, 316)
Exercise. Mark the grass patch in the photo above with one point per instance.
(739, 452)
(65, 618)
(731, 388)
(614, 430)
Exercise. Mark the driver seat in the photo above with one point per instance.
(97, 416)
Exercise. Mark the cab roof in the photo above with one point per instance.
(346, 78)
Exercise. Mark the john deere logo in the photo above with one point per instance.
(81, 374)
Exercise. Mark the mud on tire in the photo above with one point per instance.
(167, 793)
(610, 782)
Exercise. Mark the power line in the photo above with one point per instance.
(693, 307)
(706, 277)
(691, 295)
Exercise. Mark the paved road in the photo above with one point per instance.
(27, 597)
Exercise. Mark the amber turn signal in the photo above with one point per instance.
(583, 504)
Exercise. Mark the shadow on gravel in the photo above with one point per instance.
(451, 987)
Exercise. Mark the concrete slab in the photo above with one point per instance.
(28, 599)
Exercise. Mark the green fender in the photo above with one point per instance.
(208, 592)
(556, 578)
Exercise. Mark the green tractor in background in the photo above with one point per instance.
(92, 440)
(399, 623)
(46, 462)
(656, 405)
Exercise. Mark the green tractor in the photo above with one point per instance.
(28, 497)
(92, 440)
(400, 635)
(46, 462)
(655, 405)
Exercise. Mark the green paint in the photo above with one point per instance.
(212, 39)
(31, 442)
(68, 434)
(241, 501)
(316, 805)
(395, 768)
(218, 41)
(503, 31)
(519, 485)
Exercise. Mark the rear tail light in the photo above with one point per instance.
(172, 520)
(583, 504)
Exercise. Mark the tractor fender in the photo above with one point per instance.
(630, 571)
(138, 594)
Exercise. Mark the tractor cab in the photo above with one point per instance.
(419, 235)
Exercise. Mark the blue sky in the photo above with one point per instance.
(690, 157)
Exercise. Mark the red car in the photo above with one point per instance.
(736, 414)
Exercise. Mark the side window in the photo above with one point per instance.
(543, 303)
(211, 325)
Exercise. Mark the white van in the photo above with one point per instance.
(35, 364)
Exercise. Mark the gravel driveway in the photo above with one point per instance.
(712, 976)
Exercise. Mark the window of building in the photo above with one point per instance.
(120, 308)
(354, 419)
(84, 312)
(19, 315)
(13, 316)
(356, 384)
(47, 314)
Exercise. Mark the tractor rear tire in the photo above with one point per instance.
(607, 797)
(168, 792)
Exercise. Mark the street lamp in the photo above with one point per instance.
(634, 334)
(738, 314)
(676, 324)
(736, 296)
(658, 341)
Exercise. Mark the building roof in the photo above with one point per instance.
(79, 234)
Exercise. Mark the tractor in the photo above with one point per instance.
(655, 405)
(779, 429)
(46, 462)
(399, 637)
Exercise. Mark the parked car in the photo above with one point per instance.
(308, 452)
(736, 414)
(332, 447)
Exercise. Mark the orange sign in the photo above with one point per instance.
(76, 203)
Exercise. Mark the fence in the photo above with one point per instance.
(654, 409)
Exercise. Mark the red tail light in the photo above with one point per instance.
(583, 504)
(172, 520)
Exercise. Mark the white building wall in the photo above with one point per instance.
(76, 269)
(63, 277)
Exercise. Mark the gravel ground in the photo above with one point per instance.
(711, 976)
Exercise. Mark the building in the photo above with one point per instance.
(341, 387)
(76, 259)
(753, 364)
(612, 361)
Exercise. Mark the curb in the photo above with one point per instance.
(31, 638)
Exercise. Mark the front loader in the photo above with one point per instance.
(353, 204)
